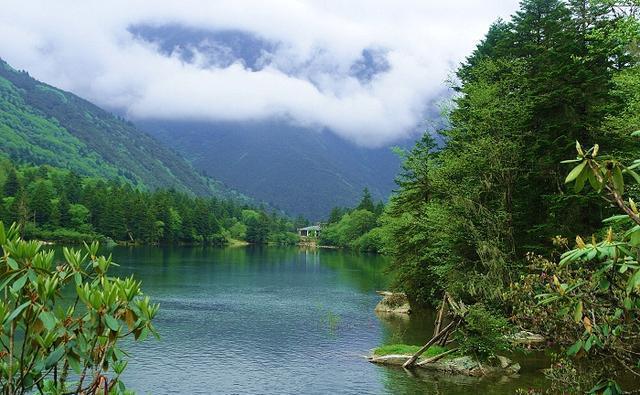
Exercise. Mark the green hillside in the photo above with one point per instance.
(43, 125)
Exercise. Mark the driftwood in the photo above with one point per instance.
(424, 348)
(437, 357)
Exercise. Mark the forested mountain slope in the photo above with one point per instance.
(41, 124)
(299, 170)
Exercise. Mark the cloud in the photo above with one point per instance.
(367, 69)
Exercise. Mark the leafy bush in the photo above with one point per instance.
(65, 236)
(483, 333)
(50, 335)
(595, 287)
(238, 231)
(369, 242)
(284, 238)
(349, 229)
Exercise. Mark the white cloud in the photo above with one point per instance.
(86, 47)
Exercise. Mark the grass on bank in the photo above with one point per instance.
(406, 349)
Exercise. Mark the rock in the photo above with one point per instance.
(463, 365)
(504, 361)
(468, 366)
(393, 302)
(527, 338)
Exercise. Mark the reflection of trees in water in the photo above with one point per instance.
(420, 381)
(366, 272)
(414, 329)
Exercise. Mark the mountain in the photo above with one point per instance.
(41, 124)
(298, 170)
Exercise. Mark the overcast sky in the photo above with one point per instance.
(365, 69)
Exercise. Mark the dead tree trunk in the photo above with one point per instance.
(440, 315)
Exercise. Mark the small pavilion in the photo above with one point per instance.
(309, 231)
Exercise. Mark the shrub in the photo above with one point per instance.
(483, 333)
(49, 334)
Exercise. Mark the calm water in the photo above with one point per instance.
(276, 321)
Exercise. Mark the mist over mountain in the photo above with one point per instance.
(302, 169)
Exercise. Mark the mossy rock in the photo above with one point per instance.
(455, 365)
(393, 302)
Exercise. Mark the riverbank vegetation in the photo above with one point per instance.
(487, 218)
(58, 205)
(355, 228)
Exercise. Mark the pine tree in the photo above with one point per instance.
(40, 202)
(73, 187)
(12, 183)
(19, 209)
(366, 203)
(63, 211)
(335, 215)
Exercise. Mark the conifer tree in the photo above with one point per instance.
(12, 183)
(366, 202)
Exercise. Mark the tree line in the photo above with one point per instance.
(355, 228)
(54, 204)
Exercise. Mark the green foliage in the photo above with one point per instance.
(371, 241)
(11, 183)
(65, 342)
(366, 203)
(483, 334)
(595, 287)
(284, 238)
(238, 231)
(465, 215)
(356, 228)
(349, 229)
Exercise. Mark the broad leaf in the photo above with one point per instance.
(573, 174)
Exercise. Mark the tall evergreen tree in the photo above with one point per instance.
(12, 183)
(366, 202)
(40, 202)
(63, 210)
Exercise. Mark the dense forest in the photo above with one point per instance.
(54, 204)
(487, 217)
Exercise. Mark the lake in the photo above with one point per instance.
(277, 321)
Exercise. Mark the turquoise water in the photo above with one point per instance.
(277, 321)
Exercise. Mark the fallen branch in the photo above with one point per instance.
(424, 348)
(437, 357)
